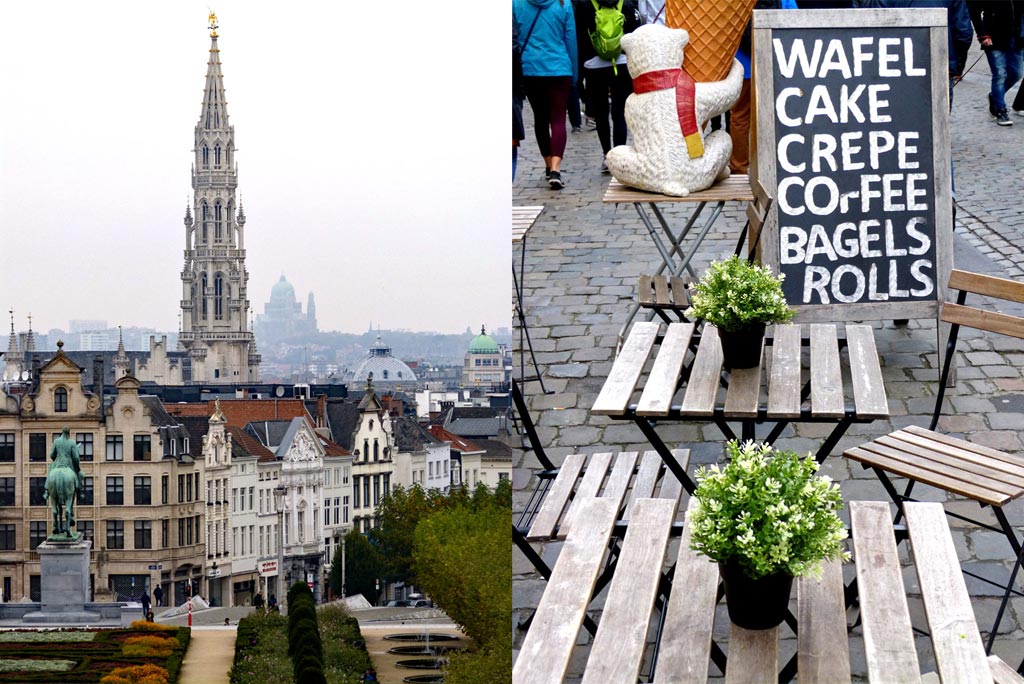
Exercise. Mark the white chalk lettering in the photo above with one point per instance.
(894, 289)
(784, 143)
(835, 60)
(818, 243)
(824, 148)
(833, 195)
(849, 149)
(793, 243)
(879, 142)
(848, 103)
(889, 193)
(908, 51)
(890, 241)
(887, 57)
(917, 273)
(784, 203)
(913, 191)
(858, 281)
(860, 54)
(876, 104)
(905, 149)
(815, 281)
(867, 237)
(846, 247)
(873, 293)
(923, 239)
(820, 104)
(780, 106)
(798, 52)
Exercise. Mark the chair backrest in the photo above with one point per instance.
(757, 213)
(959, 314)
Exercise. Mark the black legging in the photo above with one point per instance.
(548, 96)
(601, 82)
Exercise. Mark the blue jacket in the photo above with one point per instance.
(551, 49)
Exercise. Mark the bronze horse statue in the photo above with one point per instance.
(63, 483)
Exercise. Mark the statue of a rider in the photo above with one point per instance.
(64, 482)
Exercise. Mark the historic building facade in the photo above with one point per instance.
(215, 304)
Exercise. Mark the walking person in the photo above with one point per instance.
(518, 129)
(548, 44)
(1000, 28)
(145, 604)
(158, 594)
(606, 75)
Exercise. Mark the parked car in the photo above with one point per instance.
(422, 603)
(396, 603)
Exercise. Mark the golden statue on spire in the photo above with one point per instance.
(213, 24)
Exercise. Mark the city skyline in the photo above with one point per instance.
(356, 177)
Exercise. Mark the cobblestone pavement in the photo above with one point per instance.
(582, 261)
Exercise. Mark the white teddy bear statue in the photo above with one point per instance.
(670, 155)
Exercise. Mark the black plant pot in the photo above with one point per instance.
(755, 603)
(742, 348)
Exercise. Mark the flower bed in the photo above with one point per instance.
(93, 655)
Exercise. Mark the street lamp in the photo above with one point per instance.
(279, 492)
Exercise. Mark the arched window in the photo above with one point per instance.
(366, 449)
(60, 400)
(206, 156)
(229, 216)
(227, 155)
(376, 451)
(207, 119)
(217, 217)
(216, 116)
(218, 294)
(205, 313)
(206, 216)
(216, 157)
(371, 425)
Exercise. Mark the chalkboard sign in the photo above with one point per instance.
(853, 136)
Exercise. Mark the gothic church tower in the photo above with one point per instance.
(214, 302)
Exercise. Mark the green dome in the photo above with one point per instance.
(483, 344)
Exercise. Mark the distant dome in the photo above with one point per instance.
(282, 290)
(386, 368)
(483, 344)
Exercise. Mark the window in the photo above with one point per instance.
(36, 533)
(327, 547)
(143, 492)
(115, 491)
(344, 475)
(206, 148)
(355, 491)
(218, 285)
(337, 509)
(366, 491)
(144, 534)
(376, 451)
(386, 477)
(87, 530)
(234, 499)
(376, 490)
(87, 492)
(164, 532)
(37, 446)
(344, 509)
(251, 494)
(502, 477)
(6, 491)
(115, 447)
(142, 450)
(115, 534)
(85, 445)
(366, 449)
(60, 400)
(7, 537)
(36, 487)
(181, 489)
(188, 488)
(7, 447)
(163, 489)
(181, 531)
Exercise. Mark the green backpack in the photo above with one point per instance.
(608, 36)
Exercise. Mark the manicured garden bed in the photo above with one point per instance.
(68, 656)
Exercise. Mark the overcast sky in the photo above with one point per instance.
(371, 148)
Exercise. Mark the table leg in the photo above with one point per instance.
(666, 454)
(833, 439)
(518, 284)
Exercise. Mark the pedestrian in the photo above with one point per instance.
(257, 600)
(227, 622)
(145, 603)
(607, 78)
(1000, 28)
(158, 594)
(149, 615)
(272, 603)
(548, 44)
(369, 676)
(652, 11)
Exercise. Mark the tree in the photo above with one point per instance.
(363, 567)
(398, 514)
(464, 561)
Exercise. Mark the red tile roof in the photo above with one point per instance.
(460, 443)
(241, 412)
(249, 443)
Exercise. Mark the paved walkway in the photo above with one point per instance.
(210, 655)
(582, 261)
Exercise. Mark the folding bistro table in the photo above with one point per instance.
(796, 386)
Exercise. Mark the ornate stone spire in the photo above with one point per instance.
(12, 342)
(30, 339)
(214, 114)
(122, 366)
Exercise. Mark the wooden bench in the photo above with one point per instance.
(987, 476)
(664, 295)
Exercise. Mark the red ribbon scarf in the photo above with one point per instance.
(684, 87)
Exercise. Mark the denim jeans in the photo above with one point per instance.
(1006, 71)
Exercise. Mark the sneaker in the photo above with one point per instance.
(591, 122)
(604, 168)
(1002, 119)
(577, 129)
(555, 181)
(1019, 112)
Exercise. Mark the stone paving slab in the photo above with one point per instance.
(582, 261)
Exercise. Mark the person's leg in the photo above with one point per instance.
(557, 94)
(575, 116)
(600, 81)
(997, 64)
(1014, 58)
(622, 88)
(537, 94)
(739, 131)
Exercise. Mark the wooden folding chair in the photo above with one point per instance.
(990, 477)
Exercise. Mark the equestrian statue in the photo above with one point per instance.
(64, 482)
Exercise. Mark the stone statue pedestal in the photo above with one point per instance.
(64, 583)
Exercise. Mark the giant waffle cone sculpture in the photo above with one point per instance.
(715, 28)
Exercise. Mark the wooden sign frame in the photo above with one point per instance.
(792, 25)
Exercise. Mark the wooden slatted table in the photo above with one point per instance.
(828, 384)
(681, 654)
(523, 219)
(668, 241)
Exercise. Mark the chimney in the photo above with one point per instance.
(35, 373)
(321, 410)
(97, 378)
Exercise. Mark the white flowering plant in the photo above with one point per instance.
(734, 293)
(767, 510)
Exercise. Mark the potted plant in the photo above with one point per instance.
(765, 517)
(740, 299)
